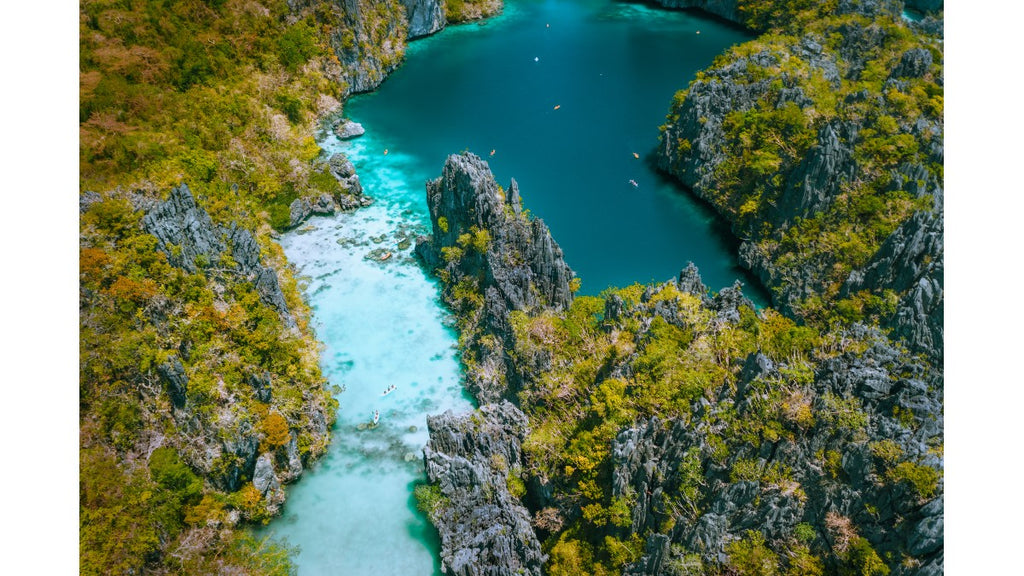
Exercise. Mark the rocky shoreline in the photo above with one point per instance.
(836, 481)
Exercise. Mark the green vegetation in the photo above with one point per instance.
(667, 354)
(457, 11)
(215, 94)
(429, 499)
(766, 143)
(223, 96)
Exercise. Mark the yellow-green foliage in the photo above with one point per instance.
(429, 499)
(923, 479)
(211, 93)
(751, 557)
(861, 559)
(464, 10)
(764, 143)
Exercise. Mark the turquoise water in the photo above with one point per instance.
(612, 68)
(381, 325)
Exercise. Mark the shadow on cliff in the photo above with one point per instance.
(720, 231)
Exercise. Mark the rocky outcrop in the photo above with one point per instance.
(347, 130)
(673, 476)
(696, 149)
(473, 458)
(911, 263)
(302, 208)
(425, 17)
(371, 43)
(185, 232)
(520, 259)
(172, 373)
(494, 260)
(352, 190)
(187, 236)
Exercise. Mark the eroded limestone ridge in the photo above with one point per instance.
(475, 459)
(190, 240)
(493, 259)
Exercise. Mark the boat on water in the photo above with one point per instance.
(385, 256)
(376, 417)
(633, 182)
(390, 389)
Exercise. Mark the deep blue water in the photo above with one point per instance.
(612, 69)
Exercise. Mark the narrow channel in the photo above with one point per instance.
(611, 69)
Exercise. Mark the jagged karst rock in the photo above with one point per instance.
(522, 262)
(371, 43)
(186, 234)
(425, 17)
(910, 262)
(172, 373)
(261, 385)
(266, 481)
(298, 211)
(512, 261)
(485, 530)
(237, 451)
(913, 64)
(341, 167)
(184, 231)
(694, 146)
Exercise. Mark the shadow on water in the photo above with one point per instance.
(423, 530)
(720, 230)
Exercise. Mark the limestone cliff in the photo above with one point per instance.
(824, 178)
(475, 459)
(493, 260)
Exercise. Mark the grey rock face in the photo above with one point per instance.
(239, 449)
(262, 385)
(184, 231)
(172, 373)
(425, 17)
(520, 268)
(186, 234)
(343, 170)
(263, 476)
(913, 64)
(371, 44)
(655, 461)
(485, 530)
(910, 262)
(693, 147)
(347, 130)
(298, 211)
(523, 263)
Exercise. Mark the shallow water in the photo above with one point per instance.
(612, 68)
(381, 325)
